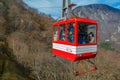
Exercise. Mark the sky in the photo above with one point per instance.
(53, 7)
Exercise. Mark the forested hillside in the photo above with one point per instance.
(27, 32)
(25, 49)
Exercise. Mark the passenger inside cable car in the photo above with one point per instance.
(86, 33)
(62, 32)
(82, 35)
(91, 37)
(71, 32)
(55, 33)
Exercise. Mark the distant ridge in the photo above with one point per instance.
(108, 19)
(102, 7)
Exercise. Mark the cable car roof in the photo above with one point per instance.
(74, 20)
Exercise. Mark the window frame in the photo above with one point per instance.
(96, 36)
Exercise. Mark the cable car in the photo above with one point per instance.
(74, 38)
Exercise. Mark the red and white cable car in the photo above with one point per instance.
(75, 38)
(71, 38)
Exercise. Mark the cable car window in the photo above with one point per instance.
(62, 32)
(86, 33)
(71, 32)
(55, 33)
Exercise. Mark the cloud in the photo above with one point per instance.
(53, 7)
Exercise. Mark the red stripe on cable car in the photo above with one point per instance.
(73, 57)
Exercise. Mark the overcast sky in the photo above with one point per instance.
(53, 7)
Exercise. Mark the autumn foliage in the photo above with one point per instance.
(29, 35)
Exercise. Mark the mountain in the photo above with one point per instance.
(108, 21)
(25, 49)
